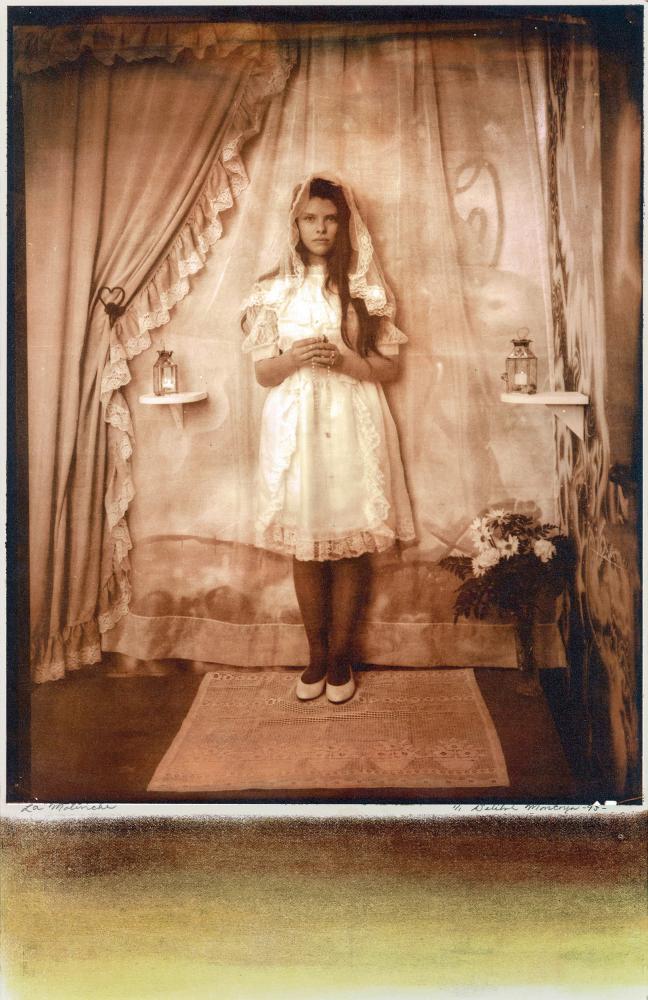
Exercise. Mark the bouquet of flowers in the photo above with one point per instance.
(517, 558)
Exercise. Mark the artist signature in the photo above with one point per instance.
(504, 807)
(67, 807)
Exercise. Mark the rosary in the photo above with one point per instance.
(316, 377)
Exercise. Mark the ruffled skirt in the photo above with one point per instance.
(331, 483)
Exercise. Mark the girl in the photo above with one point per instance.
(331, 483)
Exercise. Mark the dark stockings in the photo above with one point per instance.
(349, 586)
(331, 596)
(313, 589)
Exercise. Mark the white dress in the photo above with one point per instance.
(330, 477)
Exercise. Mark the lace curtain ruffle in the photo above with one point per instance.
(37, 48)
(151, 308)
(74, 647)
(265, 67)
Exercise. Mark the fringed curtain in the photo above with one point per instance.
(129, 163)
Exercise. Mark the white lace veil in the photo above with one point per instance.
(366, 280)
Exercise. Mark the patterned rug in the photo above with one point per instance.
(403, 728)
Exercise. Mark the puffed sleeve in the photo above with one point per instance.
(260, 325)
(262, 334)
(389, 337)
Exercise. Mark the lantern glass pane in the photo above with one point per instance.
(521, 368)
(165, 374)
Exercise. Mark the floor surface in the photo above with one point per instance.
(99, 739)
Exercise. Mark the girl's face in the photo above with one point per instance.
(318, 225)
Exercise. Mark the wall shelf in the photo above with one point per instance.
(566, 406)
(176, 400)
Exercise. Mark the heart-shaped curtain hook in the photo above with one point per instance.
(113, 306)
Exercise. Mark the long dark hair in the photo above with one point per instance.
(337, 279)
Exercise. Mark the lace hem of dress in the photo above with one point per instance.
(287, 541)
(377, 505)
(151, 307)
(377, 536)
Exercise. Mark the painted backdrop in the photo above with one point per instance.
(444, 141)
(443, 138)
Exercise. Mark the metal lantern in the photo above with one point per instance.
(165, 374)
(521, 365)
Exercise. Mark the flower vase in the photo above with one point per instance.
(528, 678)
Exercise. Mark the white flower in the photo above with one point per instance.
(477, 569)
(485, 560)
(481, 532)
(544, 549)
(495, 514)
(508, 546)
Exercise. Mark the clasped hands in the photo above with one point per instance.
(315, 351)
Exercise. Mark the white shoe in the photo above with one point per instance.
(337, 693)
(305, 692)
